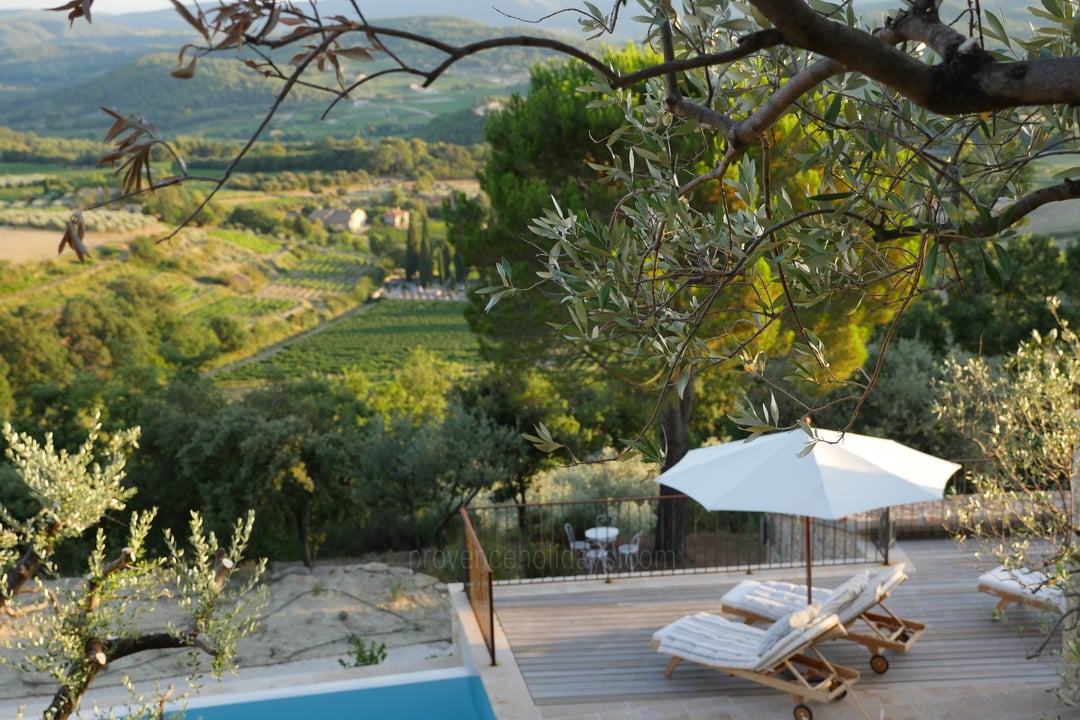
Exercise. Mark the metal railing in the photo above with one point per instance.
(478, 582)
(531, 543)
(962, 513)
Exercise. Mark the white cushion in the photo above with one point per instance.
(764, 599)
(772, 599)
(843, 596)
(1023, 581)
(723, 643)
(711, 640)
(784, 626)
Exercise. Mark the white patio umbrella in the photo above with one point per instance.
(843, 474)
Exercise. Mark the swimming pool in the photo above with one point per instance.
(450, 694)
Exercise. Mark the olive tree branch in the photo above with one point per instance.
(968, 80)
(231, 168)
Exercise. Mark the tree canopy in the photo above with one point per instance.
(912, 135)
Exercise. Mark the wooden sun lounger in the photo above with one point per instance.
(860, 605)
(784, 656)
(1021, 586)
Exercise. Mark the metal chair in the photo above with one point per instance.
(598, 560)
(577, 547)
(629, 551)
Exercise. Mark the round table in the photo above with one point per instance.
(603, 535)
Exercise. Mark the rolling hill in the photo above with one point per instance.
(57, 79)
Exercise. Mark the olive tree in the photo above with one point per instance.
(1021, 413)
(73, 630)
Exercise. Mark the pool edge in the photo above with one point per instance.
(505, 686)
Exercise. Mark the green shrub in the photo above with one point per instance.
(260, 220)
(232, 335)
(596, 481)
(364, 655)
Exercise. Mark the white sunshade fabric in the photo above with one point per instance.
(843, 474)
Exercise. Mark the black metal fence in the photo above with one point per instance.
(653, 535)
(546, 542)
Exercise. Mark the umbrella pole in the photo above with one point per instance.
(809, 562)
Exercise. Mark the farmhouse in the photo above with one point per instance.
(396, 217)
(351, 220)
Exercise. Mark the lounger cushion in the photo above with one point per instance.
(1030, 586)
(885, 582)
(798, 638)
(783, 627)
(711, 640)
(844, 595)
(723, 643)
(769, 600)
(773, 599)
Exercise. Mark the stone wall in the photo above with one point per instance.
(832, 541)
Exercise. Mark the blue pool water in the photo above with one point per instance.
(445, 695)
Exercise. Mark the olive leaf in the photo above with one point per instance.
(73, 236)
(135, 138)
(76, 8)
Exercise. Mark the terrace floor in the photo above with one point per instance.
(581, 650)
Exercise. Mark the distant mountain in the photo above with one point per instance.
(547, 15)
(56, 82)
(55, 76)
(497, 13)
(39, 51)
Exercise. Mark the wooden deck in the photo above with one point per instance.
(589, 642)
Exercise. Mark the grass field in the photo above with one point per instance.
(246, 240)
(49, 168)
(1058, 220)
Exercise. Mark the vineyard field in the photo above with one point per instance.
(331, 272)
(375, 341)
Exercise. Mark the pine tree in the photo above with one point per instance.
(412, 253)
(444, 267)
(427, 263)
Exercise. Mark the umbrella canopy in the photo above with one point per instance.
(842, 474)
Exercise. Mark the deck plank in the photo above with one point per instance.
(590, 643)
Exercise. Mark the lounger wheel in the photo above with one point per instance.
(802, 712)
(879, 664)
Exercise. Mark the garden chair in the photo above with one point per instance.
(629, 551)
(783, 656)
(1022, 586)
(577, 547)
(859, 603)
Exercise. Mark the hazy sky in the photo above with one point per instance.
(101, 6)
